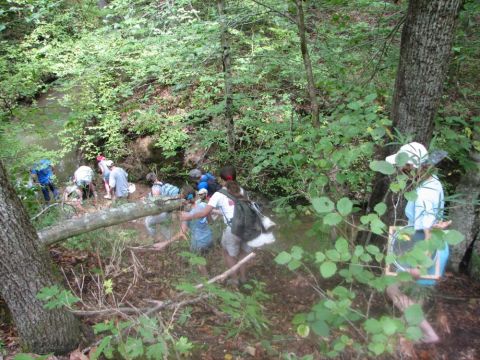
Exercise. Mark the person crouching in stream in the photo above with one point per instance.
(198, 230)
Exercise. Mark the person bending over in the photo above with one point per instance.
(234, 249)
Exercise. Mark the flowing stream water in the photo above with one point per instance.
(46, 119)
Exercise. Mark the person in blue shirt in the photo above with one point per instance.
(424, 214)
(43, 173)
(198, 230)
(205, 181)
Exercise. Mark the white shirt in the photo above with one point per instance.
(224, 203)
(84, 173)
(427, 209)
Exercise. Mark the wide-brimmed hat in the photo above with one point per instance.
(415, 154)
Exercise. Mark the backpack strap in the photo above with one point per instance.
(227, 194)
(230, 196)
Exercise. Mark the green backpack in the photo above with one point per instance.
(246, 222)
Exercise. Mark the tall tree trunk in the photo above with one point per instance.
(227, 75)
(25, 269)
(464, 215)
(312, 91)
(424, 57)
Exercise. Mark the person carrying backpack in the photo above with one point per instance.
(234, 247)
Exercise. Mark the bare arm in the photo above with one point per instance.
(198, 215)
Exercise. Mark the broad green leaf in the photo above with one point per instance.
(333, 254)
(401, 159)
(303, 330)
(389, 259)
(411, 195)
(296, 252)
(341, 245)
(294, 264)
(344, 206)
(382, 167)
(372, 249)
(358, 250)
(380, 208)
(321, 328)
(323, 205)
(414, 333)
(453, 237)
(332, 219)
(414, 314)
(283, 258)
(319, 257)
(389, 325)
(328, 269)
(376, 348)
(372, 326)
(299, 319)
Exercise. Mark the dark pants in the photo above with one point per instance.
(46, 188)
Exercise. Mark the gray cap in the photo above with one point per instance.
(195, 173)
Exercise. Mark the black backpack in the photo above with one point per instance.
(246, 222)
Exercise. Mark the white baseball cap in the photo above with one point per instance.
(202, 191)
(416, 153)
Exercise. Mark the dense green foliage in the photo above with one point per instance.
(153, 68)
(146, 68)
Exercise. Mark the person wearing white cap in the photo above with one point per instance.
(423, 214)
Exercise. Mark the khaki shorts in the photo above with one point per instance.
(232, 243)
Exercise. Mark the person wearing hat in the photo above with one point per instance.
(118, 181)
(204, 181)
(423, 214)
(103, 164)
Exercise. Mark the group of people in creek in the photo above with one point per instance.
(203, 200)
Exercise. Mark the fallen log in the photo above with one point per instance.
(105, 218)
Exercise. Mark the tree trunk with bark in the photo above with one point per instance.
(464, 213)
(227, 75)
(25, 268)
(424, 58)
(307, 63)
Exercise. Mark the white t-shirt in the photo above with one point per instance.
(84, 173)
(224, 204)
